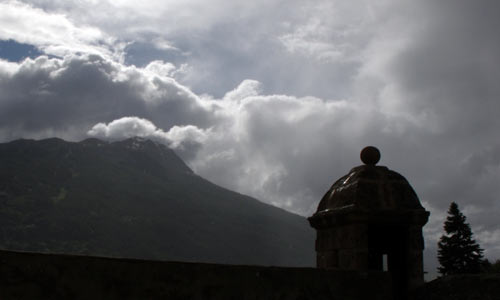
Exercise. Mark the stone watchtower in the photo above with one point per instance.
(371, 219)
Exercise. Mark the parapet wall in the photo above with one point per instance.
(462, 287)
(51, 276)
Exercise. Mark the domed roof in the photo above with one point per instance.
(370, 188)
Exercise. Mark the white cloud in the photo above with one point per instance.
(53, 33)
(184, 139)
(160, 68)
(247, 88)
(126, 127)
(181, 136)
(162, 44)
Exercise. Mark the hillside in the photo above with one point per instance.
(136, 198)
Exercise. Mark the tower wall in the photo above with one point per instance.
(371, 220)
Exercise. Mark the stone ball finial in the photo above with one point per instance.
(370, 155)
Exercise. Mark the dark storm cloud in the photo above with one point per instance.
(451, 67)
(449, 72)
(446, 79)
(49, 95)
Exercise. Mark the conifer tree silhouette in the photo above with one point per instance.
(458, 252)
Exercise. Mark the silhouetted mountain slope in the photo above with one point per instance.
(136, 198)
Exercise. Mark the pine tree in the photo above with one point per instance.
(458, 252)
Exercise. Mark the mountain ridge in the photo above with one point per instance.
(136, 198)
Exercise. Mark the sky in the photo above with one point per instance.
(274, 99)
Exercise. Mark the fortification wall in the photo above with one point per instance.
(462, 287)
(50, 276)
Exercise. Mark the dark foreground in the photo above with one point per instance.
(462, 287)
(50, 276)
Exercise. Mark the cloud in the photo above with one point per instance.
(127, 127)
(241, 40)
(279, 148)
(53, 33)
(45, 96)
(158, 67)
(186, 140)
(245, 89)
(331, 31)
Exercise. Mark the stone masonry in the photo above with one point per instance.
(372, 219)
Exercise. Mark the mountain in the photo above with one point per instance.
(136, 198)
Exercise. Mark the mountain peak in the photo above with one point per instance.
(93, 142)
(137, 143)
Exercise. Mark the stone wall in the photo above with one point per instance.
(462, 287)
(51, 276)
